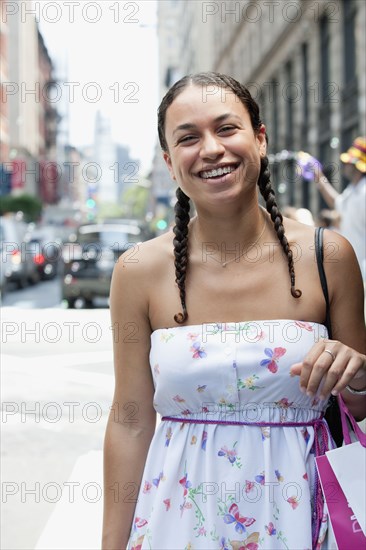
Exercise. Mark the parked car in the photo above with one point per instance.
(89, 261)
(5, 266)
(17, 264)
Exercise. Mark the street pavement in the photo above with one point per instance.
(57, 385)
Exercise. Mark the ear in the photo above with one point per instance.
(262, 141)
(168, 162)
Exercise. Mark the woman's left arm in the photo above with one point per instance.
(335, 364)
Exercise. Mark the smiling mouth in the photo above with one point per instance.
(218, 172)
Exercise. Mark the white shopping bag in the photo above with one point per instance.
(349, 466)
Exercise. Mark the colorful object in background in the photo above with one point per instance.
(308, 165)
(356, 154)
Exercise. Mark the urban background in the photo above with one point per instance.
(302, 60)
(67, 212)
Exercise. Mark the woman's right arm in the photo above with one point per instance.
(132, 420)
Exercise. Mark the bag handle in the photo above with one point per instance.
(345, 429)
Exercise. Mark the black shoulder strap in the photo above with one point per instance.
(332, 413)
(319, 258)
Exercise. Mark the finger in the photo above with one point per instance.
(320, 370)
(353, 368)
(333, 376)
(310, 361)
(295, 369)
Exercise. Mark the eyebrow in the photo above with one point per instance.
(220, 118)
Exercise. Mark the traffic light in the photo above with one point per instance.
(90, 203)
(161, 225)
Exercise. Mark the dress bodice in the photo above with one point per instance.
(237, 371)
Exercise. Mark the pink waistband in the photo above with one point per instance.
(241, 423)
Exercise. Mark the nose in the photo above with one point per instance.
(211, 146)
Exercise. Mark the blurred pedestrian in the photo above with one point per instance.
(329, 219)
(302, 215)
(351, 203)
(226, 348)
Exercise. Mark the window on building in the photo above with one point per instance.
(325, 153)
(350, 94)
(288, 97)
(289, 92)
(274, 145)
(349, 50)
(305, 93)
(324, 58)
(305, 117)
(273, 99)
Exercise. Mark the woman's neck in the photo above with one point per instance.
(243, 226)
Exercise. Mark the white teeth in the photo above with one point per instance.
(218, 172)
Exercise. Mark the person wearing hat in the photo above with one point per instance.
(351, 203)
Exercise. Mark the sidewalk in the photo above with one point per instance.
(78, 525)
(57, 389)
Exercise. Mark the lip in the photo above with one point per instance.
(218, 179)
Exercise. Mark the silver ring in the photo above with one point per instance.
(330, 353)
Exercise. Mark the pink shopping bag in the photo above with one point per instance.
(346, 528)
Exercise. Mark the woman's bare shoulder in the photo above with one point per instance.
(134, 280)
(145, 261)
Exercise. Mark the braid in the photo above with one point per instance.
(180, 242)
(268, 194)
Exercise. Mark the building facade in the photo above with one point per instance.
(303, 62)
(28, 114)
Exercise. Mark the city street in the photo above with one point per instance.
(57, 386)
(45, 294)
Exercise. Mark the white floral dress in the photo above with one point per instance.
(231, 465)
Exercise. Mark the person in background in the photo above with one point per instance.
(329, 219)
(351, 203)
(302, 215)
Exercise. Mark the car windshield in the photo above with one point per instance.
(111, 238)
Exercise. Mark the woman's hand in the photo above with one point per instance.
(329, 367)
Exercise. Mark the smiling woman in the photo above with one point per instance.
(243, 372)
(226, 149)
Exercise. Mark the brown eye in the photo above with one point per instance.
(226, 128)
(186, 139)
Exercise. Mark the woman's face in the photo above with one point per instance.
(214, 154)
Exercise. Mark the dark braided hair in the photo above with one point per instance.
(182, 206)
(268, 194)
(180, 242)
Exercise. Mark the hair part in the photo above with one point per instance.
(182, 206)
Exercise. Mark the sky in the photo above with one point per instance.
(107, 53)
